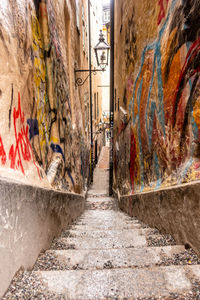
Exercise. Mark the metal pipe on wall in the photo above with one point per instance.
(90, 83)
(112, 23)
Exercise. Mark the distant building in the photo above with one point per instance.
(106, 21)
(106, 78)
(106, 14)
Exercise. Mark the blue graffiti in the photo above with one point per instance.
(56, 148)
(151, 106)
(70, 175)
(33, 127)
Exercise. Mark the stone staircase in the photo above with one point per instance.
(109, 255)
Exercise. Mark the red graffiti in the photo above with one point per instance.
(22, 149)
(162, 10)
(190, 68)
(2, 152)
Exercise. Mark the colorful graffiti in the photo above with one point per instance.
(40, 112)
(165, 106)
(51, 120)
(2, 152)
(162, 10)
(22, 150)
(42, 135)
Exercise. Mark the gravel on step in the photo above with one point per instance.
(26, 285)
(103, 205)
(160, 240)
(187, 257)
(49, 261)
(59, 245)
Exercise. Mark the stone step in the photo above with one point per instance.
(104, 204)
(103, 243)
(99, 213)
(114, 222)
(99, 200)
(97, 194)
(100, 216)
(98, 234)
(86, 227)
(105, 259)
(110, 284)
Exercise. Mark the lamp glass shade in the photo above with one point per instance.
(102, 51)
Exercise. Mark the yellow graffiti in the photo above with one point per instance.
(40, 84)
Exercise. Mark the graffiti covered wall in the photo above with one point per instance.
(158, 87)
(40, 141)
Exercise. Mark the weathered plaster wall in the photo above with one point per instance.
(157, 84)
(30, 217)
(42, 139)
(43, 145)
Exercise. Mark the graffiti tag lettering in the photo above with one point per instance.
(22, 149)
(2, 152)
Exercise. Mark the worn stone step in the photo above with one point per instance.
(101, 215)
(105, 259)
(98, 213)
(97, 194)
(97, 234)
(103, 243)
(106, 218)
(113, 283)
(99, 200)
(86, 227)
(104, 204)
(114, 222)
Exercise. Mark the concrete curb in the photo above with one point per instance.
(30, 218)
(174, 210)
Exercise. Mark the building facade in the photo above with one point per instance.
(106, 77)
(96, 26)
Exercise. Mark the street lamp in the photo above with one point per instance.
(102, 52)
(102, 49)
(102, 56)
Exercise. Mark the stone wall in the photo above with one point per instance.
(157, 94)
(42, 137)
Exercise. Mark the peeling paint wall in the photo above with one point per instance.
(157, 84)
(41, 129)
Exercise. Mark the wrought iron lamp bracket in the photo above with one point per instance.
(79, 81)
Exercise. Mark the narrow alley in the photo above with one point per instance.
(100, 149)
(106, 254)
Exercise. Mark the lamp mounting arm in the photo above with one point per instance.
(79, 81)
